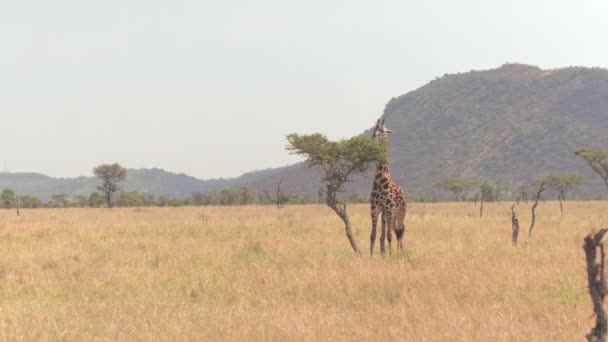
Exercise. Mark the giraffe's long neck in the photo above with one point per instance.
(382, 168)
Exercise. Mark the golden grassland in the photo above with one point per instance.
(259, 273)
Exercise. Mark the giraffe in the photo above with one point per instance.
(387, 198)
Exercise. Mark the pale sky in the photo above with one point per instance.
(211, 88)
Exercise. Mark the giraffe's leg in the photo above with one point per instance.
(400, 232)
(400, 227)
(392, 228)
(375, 210)
(389, 236)
(383, 232)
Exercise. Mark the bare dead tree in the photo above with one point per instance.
(542, 186)
(514, 225)
(597, 282)
(281, 199)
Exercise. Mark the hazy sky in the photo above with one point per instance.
(211, 88)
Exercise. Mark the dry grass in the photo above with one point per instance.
(265, 274)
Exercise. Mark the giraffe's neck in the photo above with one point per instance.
(382, 169)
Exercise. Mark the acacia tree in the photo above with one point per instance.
(486, 193)
(340, 161)
(456, 186)
(562, 184)
(110, 175)
(597, 161)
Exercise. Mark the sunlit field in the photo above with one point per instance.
(259, 273)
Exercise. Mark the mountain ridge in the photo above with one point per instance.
(508, 124)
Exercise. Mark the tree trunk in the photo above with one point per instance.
(481, 207)
(340, 210)
(533, 221)
(561, 205)
(109, 199)
(514, 225)
(597, 283)
(541, 188)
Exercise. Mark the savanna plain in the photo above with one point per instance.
(260, 273)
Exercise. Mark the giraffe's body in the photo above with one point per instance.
(387, 198)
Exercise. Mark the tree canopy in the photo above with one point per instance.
(596, 159)
(339, 159)
(456, 186)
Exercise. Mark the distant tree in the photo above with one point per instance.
(8, 198)
(456, 186)
(521, 193)
(148, 200)
(59, 201)
(80, 201)
(562, 184)
(488, 191)
(164, 200)
(262, 198)
(130, 199)
(280, 199)
(96, 200)
(486, 194)
(28, 201)
(227, 197)
(198, 199)
(340, 161)
(110, 175)
(245, 197)
(212, 198)
(179, 202)
(597, 160)
(498, 189)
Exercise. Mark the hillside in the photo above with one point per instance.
(151, 181)
(508, 125)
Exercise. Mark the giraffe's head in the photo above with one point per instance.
(380, 131)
